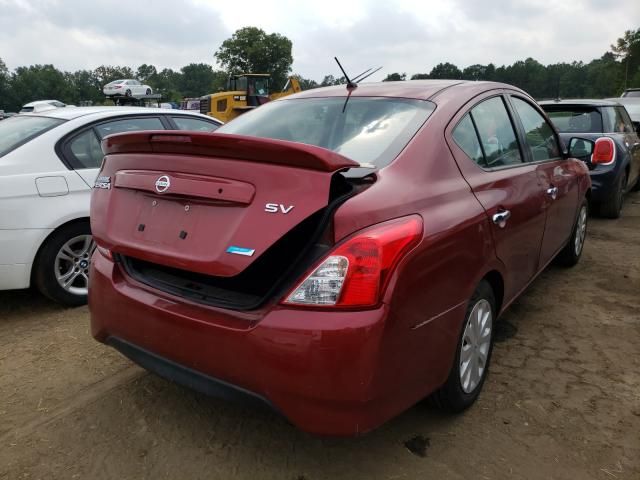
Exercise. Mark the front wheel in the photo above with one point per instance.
(473, 354)
(571, 253)
(61, 270)
(148, 91)
(127, 93)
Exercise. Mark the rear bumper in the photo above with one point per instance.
(603, 183)
(318, 368)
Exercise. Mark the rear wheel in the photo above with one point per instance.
(570, 254)
(61, 270)
(612, 207)
(473, 354)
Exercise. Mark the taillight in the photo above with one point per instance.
(604, 151)
(356, 272)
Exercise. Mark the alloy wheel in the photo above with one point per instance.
(581, 230)
(72, 262)
(476, 342)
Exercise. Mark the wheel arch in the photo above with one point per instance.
(46, 239)
(495, 280)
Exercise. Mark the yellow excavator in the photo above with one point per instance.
(245, 91)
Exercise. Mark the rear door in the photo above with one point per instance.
(489, 155)
(555, 175)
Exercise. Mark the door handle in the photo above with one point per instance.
(552, 192)
(500, 218)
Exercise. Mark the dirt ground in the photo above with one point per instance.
(562, 400)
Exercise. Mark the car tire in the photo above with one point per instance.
(61, 269)
(127, 93)
(148, 92)
(464, 383)
(572, 251)
(612, 207)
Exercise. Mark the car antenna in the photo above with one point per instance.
(352, 84)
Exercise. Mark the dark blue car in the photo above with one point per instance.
(618, 170)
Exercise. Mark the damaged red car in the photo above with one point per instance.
(337, 255)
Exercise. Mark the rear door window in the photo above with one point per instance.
(539, 136)
(86, 150)
(496, 133)
(466, 138)
(129, 125)
(194, 124)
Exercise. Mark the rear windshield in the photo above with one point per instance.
(576, 119)
(369, 130)
(18, 130)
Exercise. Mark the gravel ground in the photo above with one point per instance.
(562, 400)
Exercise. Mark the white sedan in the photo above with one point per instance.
(127, 88)
(48, 164)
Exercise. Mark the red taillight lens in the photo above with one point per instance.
(357, 271)
(604, 151)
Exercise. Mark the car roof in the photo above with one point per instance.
(70, 113)
(580, 101)
(417, 89)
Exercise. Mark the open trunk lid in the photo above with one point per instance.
(206, 203)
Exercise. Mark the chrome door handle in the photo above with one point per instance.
(552, 192)
(500, 218)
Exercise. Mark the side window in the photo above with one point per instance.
(194, 124)
(467, 139)
(86, 150)
(539, 135)
(496, 133)
(129, 125)
(623, 122)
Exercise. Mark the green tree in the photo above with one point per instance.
(395, 77)
(252, 50)
(627, 49)
(196, 79)
(306, 83)
(330, 80)
(420, 76)
(145, 72)
(5, 90)
(445, 71)
(39, 82)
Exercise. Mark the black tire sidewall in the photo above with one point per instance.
(43, 269)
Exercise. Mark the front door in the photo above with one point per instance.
(555, 175)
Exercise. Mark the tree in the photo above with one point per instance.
(420, 76)
(197, 79)
(446, 71)
(330, 80)
(306, 83)
(395, 77)
(627, 49)
(252, 50)
(145, 72)
(38, 82)
(4, 86)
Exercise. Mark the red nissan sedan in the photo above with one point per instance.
(339, 254)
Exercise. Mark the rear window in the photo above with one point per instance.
(18, 130)
(576, 119)
(370, 130)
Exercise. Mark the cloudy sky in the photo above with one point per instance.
(401, 35)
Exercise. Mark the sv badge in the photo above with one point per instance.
(277, 208)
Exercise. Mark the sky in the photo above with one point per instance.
(409, 36)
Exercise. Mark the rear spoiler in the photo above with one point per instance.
(266, 150)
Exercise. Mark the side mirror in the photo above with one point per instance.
(580, 148)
